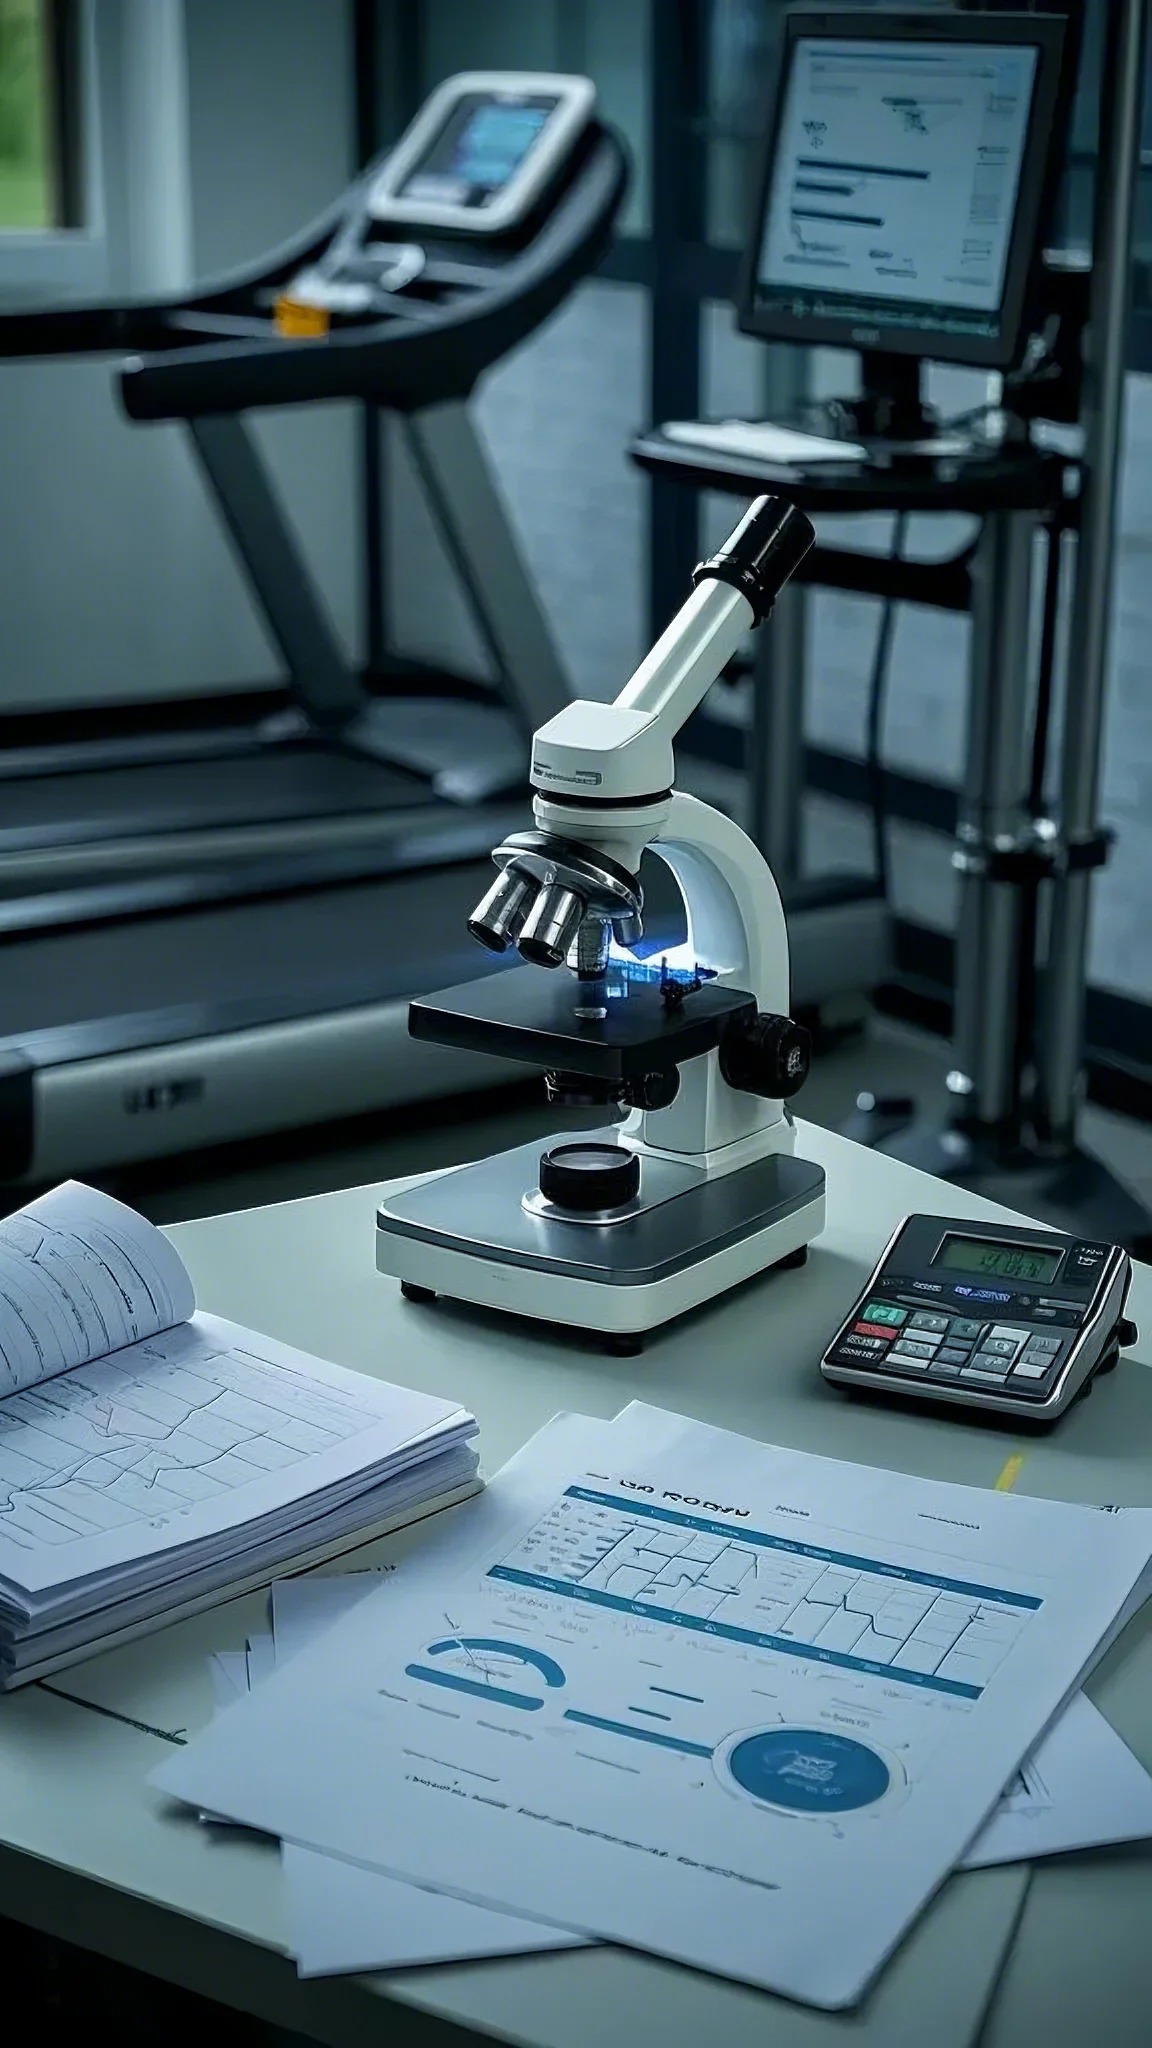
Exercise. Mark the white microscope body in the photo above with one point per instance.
(699, 1188)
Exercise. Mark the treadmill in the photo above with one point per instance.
(212, 932)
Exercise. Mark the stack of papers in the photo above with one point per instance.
(153, 1459)
(735, 1705)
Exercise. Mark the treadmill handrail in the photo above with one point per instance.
(402, 365)
(109, 327)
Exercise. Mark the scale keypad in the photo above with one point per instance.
(930, 1345)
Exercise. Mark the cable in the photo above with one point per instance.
(874, 730)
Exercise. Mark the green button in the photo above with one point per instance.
(883, 1312)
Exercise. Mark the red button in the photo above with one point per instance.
(873, 1330)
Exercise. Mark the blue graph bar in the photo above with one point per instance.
(496, 1695)
(637, 1734)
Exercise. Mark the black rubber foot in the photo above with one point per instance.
(619, 1344)
(799, 1258)
(411, 1292)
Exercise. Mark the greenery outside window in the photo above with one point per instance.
(35, 193)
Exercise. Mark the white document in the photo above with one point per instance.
(740, 1706)
(344, 1918)
(200, 1430)
(81, 1275)
(228, 1671)
(762, 441)
(1081, 1788)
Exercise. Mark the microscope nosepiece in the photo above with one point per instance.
(551, 926)
(497, 918)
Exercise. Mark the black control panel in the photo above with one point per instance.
(985, 1315)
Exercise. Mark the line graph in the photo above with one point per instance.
(152, 1433)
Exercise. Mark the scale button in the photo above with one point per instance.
(909, 1361)
(963, 1326)
(1030, 1370)
(884, 1312)
(926, 1320)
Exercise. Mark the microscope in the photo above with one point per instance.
(618, 1231)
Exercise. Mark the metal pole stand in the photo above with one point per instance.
(1018, 1089)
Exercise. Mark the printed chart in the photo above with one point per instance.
(864, 1614)
(166, 1425)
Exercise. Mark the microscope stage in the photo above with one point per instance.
(530, 1013)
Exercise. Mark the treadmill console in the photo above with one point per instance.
(476, 163)
(479, 155)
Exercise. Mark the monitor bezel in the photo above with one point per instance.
(1039, 180)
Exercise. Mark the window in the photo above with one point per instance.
(34, 194)
(61, 91)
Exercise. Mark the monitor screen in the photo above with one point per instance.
(891, 196)
(480, 148)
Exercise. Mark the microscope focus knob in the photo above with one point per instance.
(766, 1055)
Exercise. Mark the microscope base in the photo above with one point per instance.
(467, 1235)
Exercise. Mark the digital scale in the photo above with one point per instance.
(990, 1316)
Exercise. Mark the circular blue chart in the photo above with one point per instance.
(808, 1770)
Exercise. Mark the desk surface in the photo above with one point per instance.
(88, 1852)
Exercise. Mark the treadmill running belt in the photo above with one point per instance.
(297, 783)
(248, 962)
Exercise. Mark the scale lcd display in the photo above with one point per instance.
(480, 148)
(980, 1255)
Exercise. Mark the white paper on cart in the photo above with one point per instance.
(733, 1704)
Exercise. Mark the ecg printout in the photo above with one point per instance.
(202, 1428)
(80, 1276)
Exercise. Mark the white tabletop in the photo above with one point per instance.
(88, 1852)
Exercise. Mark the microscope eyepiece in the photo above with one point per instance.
(761, 553)
(497, 918)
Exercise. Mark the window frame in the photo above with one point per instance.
(70, 261)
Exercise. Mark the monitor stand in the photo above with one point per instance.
(890, 407)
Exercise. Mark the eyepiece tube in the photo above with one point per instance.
(761, 553)
(497, 918)
(550, 926)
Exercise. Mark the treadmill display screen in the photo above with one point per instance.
(481, 146)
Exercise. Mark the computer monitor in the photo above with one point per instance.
(909, 167)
